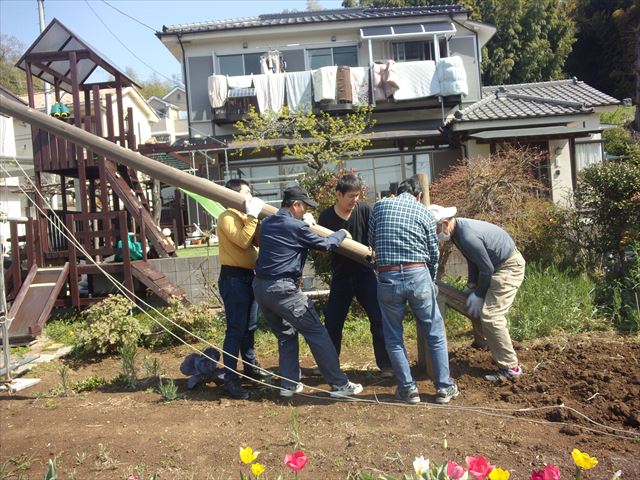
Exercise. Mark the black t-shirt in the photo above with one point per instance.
(357, 226)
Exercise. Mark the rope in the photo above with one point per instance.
(488, 411)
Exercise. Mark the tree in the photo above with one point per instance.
(11, 77)
(313, 6)
(531, 44)
(604, 53)
(153, 86)
(317, 139)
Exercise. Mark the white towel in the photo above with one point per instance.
(452, 76)
(417, 80)
(324, 84)
(299, 96)
(241, 81)
(270, 91)
(217, 86)
(360, 85)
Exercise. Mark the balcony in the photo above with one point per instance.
(386, 86)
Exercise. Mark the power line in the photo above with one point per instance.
(129, 16)
(127, 48)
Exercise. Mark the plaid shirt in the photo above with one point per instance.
(402, 230)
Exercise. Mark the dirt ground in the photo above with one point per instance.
(519, 426)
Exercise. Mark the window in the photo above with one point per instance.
(588, 154)
(242, 64)
(340, 56)
(294, 60)
(182, 115)
(417, 51)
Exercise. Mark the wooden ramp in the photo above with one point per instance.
(34, 302)
(156, 281)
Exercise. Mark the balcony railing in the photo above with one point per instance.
(387, 86)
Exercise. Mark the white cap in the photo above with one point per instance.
(442, 213)
(166, 232)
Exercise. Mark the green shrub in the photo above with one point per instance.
(551, 300)
(108, 326)
(64, 329)
(201, 319)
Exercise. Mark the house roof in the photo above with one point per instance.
(533, 100)
(320, 16)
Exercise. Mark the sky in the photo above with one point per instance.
(85, 18)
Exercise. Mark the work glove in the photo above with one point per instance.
(474, 305)
(308, 219)
(253, 206)
(345, 231)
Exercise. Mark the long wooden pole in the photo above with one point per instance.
(155, 169)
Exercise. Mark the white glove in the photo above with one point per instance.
(474, 305)
(308, 219)
(253, 206)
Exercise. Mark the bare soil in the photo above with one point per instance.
(518, 426)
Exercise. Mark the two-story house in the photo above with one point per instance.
(418, 66)
(172, 112)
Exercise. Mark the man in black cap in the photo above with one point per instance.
(285, 239)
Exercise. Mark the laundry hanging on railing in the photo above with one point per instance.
(452, 76)
(299, 91)
(324, 84)
(416, 80)
(360, 85)
(240, 81)
(385, 79)
(218, 90)
(343, 85)
(270, 91)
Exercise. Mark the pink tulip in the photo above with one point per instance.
(479, 467)
(295, 461)
(455, 471)
(550, 472)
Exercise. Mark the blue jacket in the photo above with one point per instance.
(284, 244)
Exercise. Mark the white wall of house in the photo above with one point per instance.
(560, 171)
(475, 149)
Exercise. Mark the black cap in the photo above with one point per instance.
(298, 193)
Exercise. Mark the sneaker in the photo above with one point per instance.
(345, 390)
(288, 392)
(386, 373)
(444, 395)
(316, 372)
(511, 373)
(408, 395)
(234, 390)
(257, 372)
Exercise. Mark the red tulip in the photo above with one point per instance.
(479, 467)
(537, 475)
(455, 471)
(295, 461)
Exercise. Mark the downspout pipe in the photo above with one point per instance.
(184, 76)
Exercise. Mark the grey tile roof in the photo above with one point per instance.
(531, 100)
(320, 16)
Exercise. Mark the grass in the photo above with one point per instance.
(199, 251)
(63, 329)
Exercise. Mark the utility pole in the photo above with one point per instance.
(47, 87)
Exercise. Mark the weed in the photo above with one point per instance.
(80, 458)
(88, 384)
(168, 390)
(63, 371)
(152, 367)
(63, 329)
(52, 471)
(13, 467)
(105, 461)
(129, 373)
(294, 426)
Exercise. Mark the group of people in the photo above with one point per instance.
(262, 264)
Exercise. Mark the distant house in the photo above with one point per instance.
(418, 66)
(172, 112)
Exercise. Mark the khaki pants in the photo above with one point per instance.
(502, 291)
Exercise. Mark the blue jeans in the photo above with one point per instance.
(363, 285)
(241, 312)
(285, 306)
(414, 285)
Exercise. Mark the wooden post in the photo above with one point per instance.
(424, 358)
(73, 264)
(15, 258)
(126, 253)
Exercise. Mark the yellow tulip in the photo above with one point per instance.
(257, 469)
(247, 455)
(499, 474)
(583, 460)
